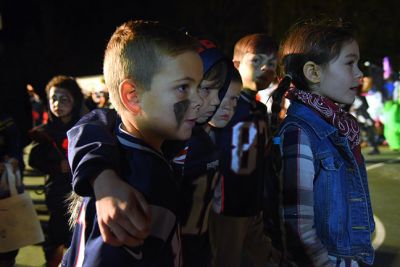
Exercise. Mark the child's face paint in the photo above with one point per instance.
(180, 109)
(257, 70)
(61, 102)
(168, 109)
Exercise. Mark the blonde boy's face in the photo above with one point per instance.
(209, 94)
(170, 108)
(228, 106)
(257, 70)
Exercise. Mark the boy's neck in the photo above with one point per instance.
(154, 141)
(207, 128)
(249, 91)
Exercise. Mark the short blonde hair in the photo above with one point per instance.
(135, 52)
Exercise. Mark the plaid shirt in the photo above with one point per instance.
(298, 202)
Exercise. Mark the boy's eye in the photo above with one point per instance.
(182, 88)
(204, 91)
(61, 100)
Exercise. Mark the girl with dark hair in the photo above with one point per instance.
(49, 155)
(327, 215)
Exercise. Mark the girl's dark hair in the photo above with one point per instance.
(68, 83)
(319, 41)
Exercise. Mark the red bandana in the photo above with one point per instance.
(333, 114)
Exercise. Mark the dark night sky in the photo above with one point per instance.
(69, 37)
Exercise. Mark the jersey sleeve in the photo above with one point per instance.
(298, 202)
(92, 148)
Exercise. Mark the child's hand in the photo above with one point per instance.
(64, 166)
(122, 212)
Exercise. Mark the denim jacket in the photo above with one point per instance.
(342, 208)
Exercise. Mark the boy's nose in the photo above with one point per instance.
(195, 99)
(215, 101)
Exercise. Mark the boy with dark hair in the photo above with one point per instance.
(153, 73)
(236, 221)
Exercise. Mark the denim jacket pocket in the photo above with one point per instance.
(330, 200)
(331, 163)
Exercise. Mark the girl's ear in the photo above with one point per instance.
(129, 96)
(312, 72)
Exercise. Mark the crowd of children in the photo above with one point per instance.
(191, 169)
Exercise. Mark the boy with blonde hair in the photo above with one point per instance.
(153, 73)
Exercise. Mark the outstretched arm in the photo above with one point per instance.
(123, 214)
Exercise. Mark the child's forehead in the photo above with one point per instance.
(261, 55)
(56, 90)
(209, 82)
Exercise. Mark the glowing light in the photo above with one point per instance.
(387, 69)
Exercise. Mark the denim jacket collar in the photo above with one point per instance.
(301, 112)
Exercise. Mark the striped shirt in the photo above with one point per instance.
(298, 173)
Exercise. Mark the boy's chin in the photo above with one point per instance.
(183, 135)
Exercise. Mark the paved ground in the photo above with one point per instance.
(384, 182)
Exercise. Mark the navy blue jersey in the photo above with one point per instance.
(149, 172)
(198, 164)
(92, 148)
(242, 143)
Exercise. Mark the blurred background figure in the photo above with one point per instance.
(39, 114)
(100, 96)
(10, 152)
(375, 106)
(49, 155)
(392, 118)
(359, 109)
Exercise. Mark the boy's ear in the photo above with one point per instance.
(129, 96)
(312, 71)
(236, 63)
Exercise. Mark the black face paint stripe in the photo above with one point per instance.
(180, 109)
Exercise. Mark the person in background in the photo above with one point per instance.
(49, 155)
(10, 152)
(361, 109)
(236, 218)
(100, 96)
(39, 115)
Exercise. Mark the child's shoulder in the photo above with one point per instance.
(139, 152)
(40, 133)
